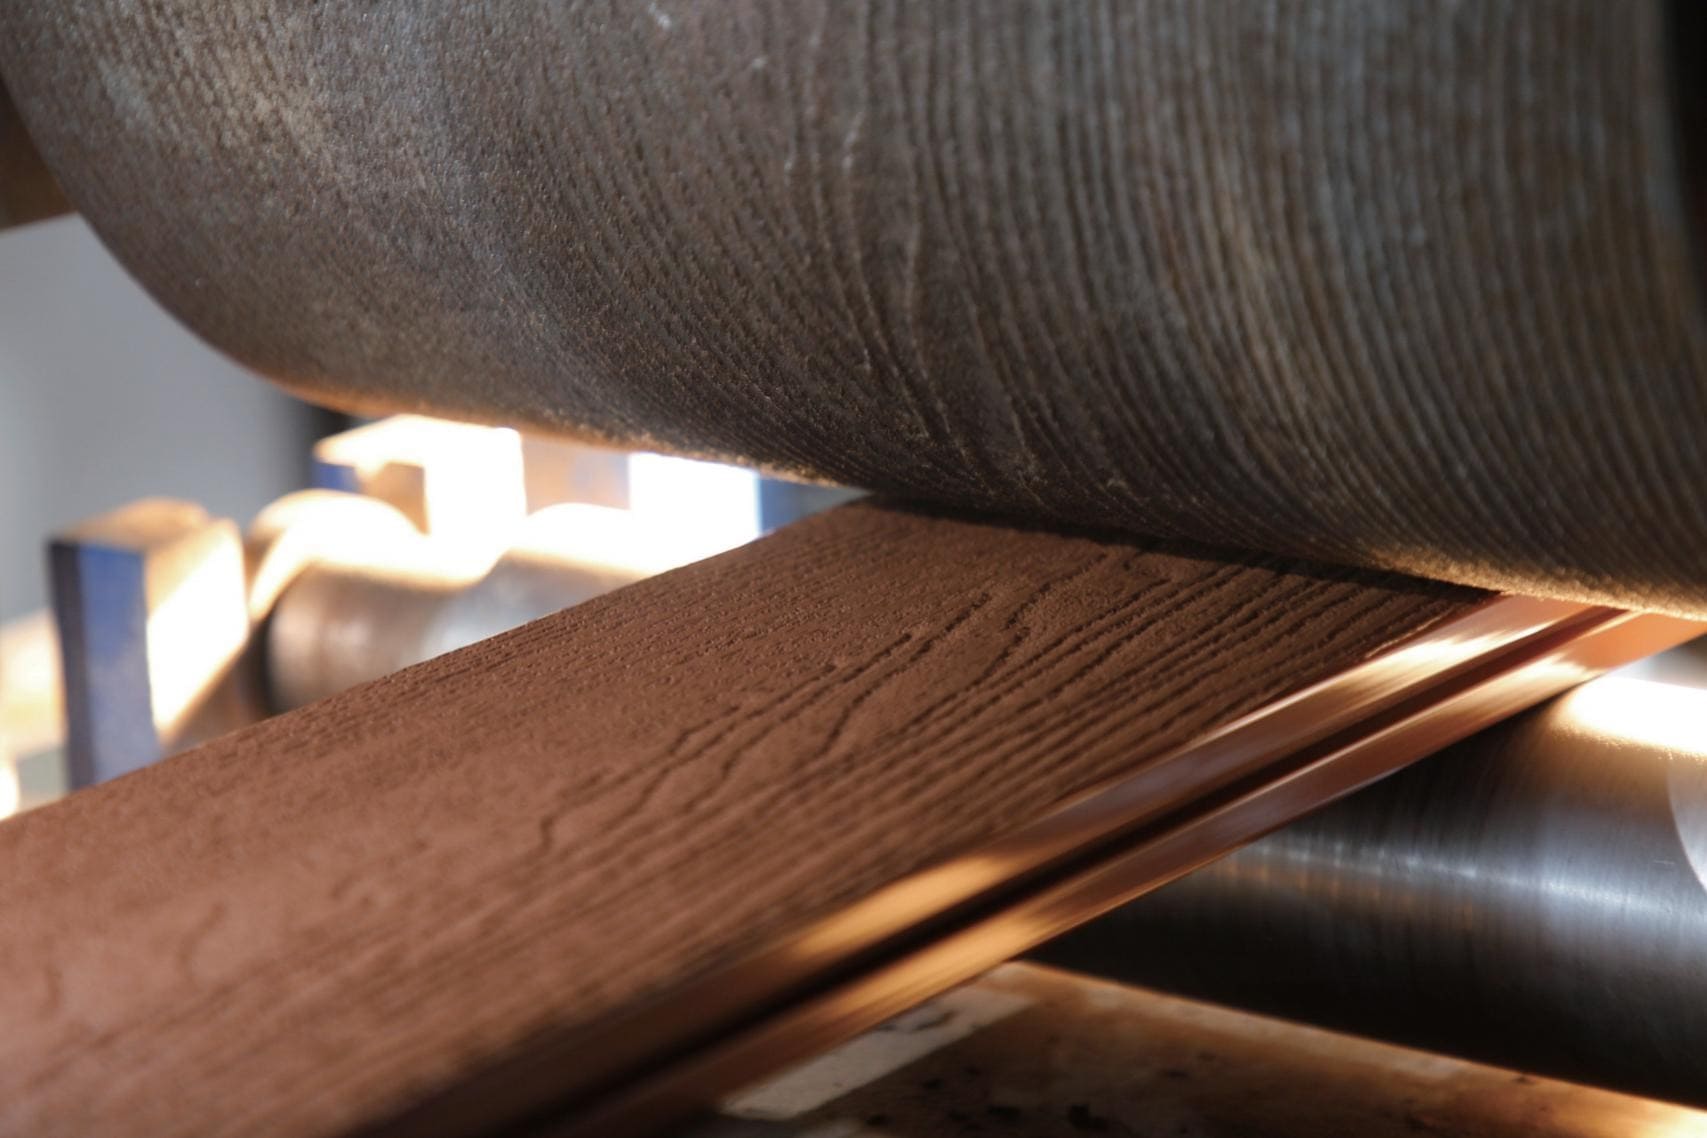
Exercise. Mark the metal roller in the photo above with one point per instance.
(1408, 285)
(340, 625)
(1535, 897)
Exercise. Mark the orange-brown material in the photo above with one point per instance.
(314, 925)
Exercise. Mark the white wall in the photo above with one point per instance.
(105, 398)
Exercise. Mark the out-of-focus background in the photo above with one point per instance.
(104, 397)
(221, 552)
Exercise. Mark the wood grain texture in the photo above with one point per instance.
(1403, 284)
(315, 924)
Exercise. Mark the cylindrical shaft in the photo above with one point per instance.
(337, 626)
(1534, 897)
(1406, 285)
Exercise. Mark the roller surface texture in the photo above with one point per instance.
(1534, 897)
(1403, 285)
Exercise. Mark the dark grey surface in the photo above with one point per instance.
(27, 191)
(1407, 285)
(1535, 897)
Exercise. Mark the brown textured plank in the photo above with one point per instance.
(1403, 284)
(314, 924)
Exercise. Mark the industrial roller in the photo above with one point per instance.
(1402, 285)
(1135, 315)
(1535, 897)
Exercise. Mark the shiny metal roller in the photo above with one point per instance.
(1535, 897)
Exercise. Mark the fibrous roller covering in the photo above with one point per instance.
(1405, 284)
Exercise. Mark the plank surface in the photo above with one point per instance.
(315, 923)
(1403, 284)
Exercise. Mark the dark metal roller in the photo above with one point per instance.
(1407, 285)
(1535, 897)
(27, 190)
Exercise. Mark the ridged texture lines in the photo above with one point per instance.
(1407, 285)
(388, 891)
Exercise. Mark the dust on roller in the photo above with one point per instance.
(1405, 286)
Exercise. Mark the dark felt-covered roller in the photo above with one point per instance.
(1406, 285)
